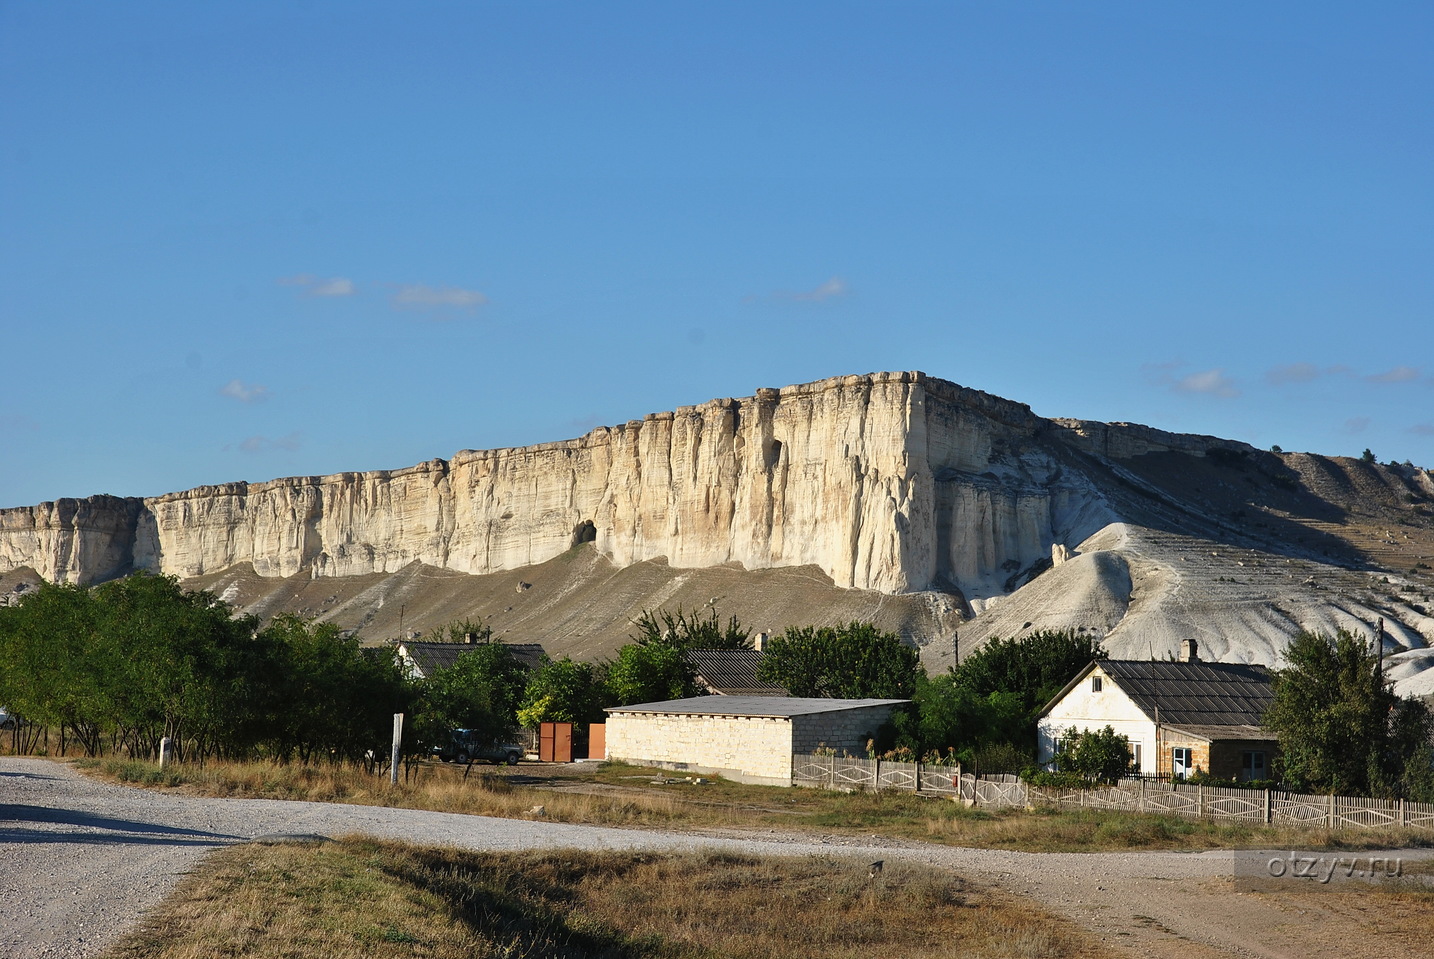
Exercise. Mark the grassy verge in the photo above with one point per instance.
(619, 795)
(366, 898)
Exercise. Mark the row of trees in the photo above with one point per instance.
(122, 665)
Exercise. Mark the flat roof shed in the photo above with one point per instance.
(746, 738)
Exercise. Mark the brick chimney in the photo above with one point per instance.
(759, 641)
(1189, 651)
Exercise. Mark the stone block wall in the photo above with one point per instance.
(845, 731)
(748, 749)
(752, 749)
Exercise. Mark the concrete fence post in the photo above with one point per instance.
(397, 748)
(1269, 808)
(1330, 819)
(1403, 812)
(166, 751)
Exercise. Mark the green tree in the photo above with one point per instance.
(855, 661)
(462, 631)
(1096, 754)
(1034, 667)
(563, 691)
(329, 696)
(983, 731)
(1341, 727)
(482, 690)
(651, 672)
(690, 630)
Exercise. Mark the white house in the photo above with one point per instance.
(746, 738)
(1177, 716)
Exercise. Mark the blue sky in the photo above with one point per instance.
(242, 241)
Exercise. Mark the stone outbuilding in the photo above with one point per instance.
(747, 738)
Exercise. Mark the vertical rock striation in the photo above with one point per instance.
(891, 481)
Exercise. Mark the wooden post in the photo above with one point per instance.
(1331, 811)
(1403, 812)
(1140, 803)
(1269, 808)
(1200, 801)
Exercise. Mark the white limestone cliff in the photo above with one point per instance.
(891, 481)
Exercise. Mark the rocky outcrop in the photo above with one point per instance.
(892, 481)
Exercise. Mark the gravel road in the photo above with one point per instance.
(80, 860)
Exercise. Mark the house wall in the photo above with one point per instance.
(1225, 756)
(1199, 752)
(1084, 709)
(744, 748)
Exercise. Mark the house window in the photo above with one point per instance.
(1095, 684)
(1181, 762)
(1135, 757)
(1252, 765)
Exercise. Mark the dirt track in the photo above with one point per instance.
(80, 859)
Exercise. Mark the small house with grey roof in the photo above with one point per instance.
(1179, 717)
(746, 738)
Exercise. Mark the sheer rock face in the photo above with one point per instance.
(893, 482)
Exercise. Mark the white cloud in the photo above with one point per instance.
(1422, 429)
(1213, 382)
(836, 286)
(831, 289)
(262, 444)
(336, 286)
(418, 296)
(317, 286)
(1400, 374)
(250, 393)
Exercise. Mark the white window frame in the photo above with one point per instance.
(1179, 769)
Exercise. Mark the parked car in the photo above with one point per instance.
(9, 720)
(469, 745)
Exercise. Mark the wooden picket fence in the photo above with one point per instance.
(1132, 795)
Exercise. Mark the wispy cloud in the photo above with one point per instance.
(1211, 382)
(263, 444)
(419, 296)
(832, 289)
(1422, 429)
(244, 393)
(1356, 425)
(1292, 373)
(1400, 374)
(311, 285)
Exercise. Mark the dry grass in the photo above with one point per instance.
(366, 898)
(619, 795)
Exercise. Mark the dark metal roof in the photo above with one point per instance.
(731, 672)
(774, 707)
(432, 657)
(1194, 694)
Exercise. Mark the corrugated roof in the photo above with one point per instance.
(777, 707)
(731, 671)
(1194, 694)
